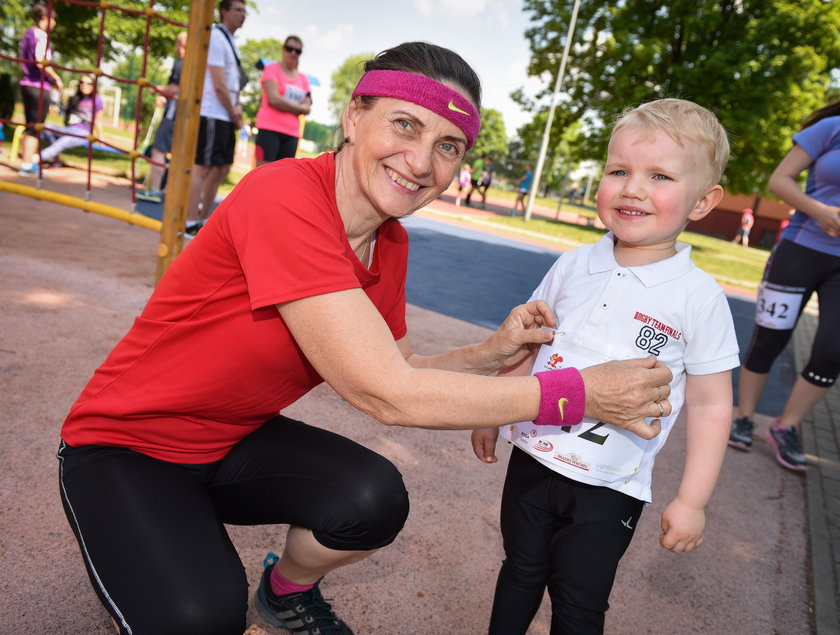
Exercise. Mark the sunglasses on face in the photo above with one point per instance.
(292, 49)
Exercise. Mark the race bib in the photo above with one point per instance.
(777, 306)
(295, 94)
(592, 450)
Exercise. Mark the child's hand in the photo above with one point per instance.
(484, 444)
(682, 527)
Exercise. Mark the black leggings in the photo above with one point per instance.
(804, 271)
(273, 146)
(152, 535)
(564, 535)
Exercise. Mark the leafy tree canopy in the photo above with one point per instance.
(318, 133)
(492, 139)
(760, 65)
(75, 38)
(344, 80)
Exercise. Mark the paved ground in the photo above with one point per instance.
(72, 283)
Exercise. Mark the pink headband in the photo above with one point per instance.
(418, 89)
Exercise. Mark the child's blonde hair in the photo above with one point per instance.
(683, 121)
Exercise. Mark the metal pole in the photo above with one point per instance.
(544, 147)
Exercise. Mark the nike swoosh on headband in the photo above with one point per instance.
(452, 106)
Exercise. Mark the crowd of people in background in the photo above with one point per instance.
(274, 134)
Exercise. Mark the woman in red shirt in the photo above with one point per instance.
(299, 278)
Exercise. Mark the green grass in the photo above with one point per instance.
(727, 263)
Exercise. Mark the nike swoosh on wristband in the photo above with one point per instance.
(561, 404)
(452, 106)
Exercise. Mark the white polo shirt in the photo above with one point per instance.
(221, 54)
(669, 308)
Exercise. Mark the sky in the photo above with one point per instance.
(488, 34)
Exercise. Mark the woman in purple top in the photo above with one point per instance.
(38, 78)
(807, 259)
(81, 111)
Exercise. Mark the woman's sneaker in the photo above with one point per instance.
(306, 612)
(785, 442)
(741, 434)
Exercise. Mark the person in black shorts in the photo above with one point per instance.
(162, 143)
(38, 78)
(221, 115)
(486, 179)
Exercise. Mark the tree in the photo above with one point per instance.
(492, 139)
(344, 80)
(76, 36)
(129, 67)
(760, 65)
(75, 41)
(318, 133)
(566, 143)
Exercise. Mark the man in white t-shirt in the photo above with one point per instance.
(221, 114)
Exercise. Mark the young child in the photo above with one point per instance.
(573, 496)
(464, 183)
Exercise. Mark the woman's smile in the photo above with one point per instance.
(401, 181)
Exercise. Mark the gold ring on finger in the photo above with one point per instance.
(661, 409)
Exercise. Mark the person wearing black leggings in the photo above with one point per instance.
(805, 261)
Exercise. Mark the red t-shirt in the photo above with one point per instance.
(210, 359)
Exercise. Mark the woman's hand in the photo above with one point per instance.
(305, 105)
(626, 392)
(828, 217)
(520, 334)
(784, 184)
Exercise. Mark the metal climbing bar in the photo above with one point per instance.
(89, 206)
(184, 136)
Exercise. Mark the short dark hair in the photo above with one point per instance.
(40, 11)
(432, 61)
(225, 5)
(293, 37)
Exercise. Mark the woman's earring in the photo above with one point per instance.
(346, 139)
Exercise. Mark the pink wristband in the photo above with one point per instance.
(562, 397)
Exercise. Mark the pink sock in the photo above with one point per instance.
(282, 586)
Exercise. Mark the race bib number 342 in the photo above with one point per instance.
(777, 306)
